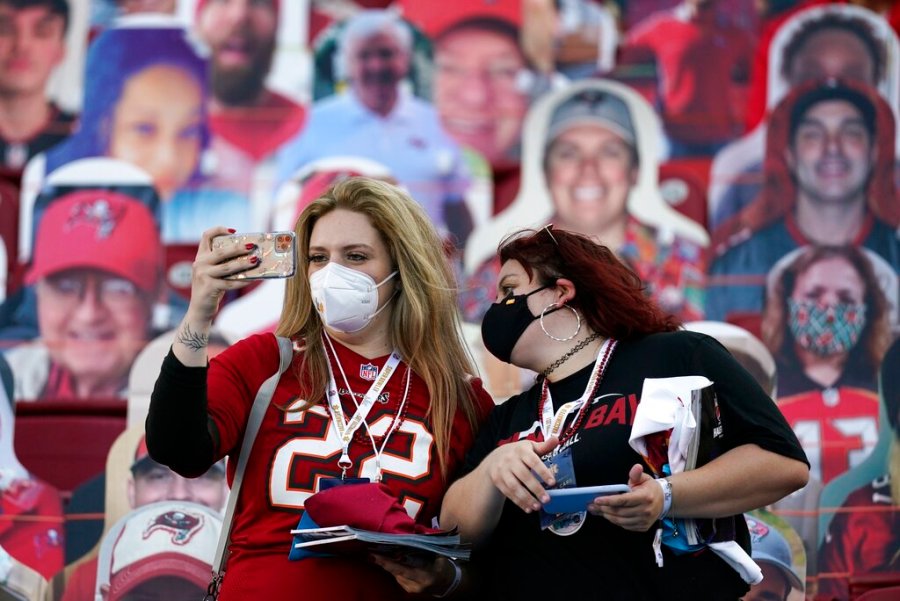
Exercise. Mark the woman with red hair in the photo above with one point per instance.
(568, 309)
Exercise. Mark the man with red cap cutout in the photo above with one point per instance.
(160, 552)
(152, 483)
(97, 273)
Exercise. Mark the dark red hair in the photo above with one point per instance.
(608, 293)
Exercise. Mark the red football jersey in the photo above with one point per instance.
(838, 427)
(695, 102)
(296, 449)
(259, 130)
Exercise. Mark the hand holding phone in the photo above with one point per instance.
(276, 253)
(571, 500)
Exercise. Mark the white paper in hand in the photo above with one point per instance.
(666, 404)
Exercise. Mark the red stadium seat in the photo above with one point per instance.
(875, 587)
(66, 442)
(891, 593)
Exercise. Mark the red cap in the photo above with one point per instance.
(435, 17)
(364, 506)
(99, 229)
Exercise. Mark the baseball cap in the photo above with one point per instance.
(769, 546)
(314, 179)
(167, 539)
(435, 19)
(833, 89)
(595, 107)
(99, 229)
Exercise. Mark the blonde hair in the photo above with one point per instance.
(424, 324)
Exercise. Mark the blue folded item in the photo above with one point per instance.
(305, 523)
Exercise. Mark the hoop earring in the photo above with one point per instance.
(551, 336)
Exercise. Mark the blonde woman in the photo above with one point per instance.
(373, 291)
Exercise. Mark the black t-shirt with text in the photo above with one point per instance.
(601, 560)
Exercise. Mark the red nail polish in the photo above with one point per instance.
(254, 260)
(249, 246)
(231, 230)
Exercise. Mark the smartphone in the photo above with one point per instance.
(570, 500)
(277, 253)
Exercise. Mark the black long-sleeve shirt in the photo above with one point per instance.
(179, 431)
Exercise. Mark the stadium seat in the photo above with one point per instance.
(66, 442)
(877, 587)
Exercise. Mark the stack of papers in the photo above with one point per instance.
(677, 428)
(703, 447)
(346, 540)
(681, 415)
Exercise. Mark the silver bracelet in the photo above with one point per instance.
(666, 487)
(457, 578)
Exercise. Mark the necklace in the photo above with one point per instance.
(551, 424)
(552, 367)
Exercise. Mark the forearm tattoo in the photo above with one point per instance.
(196, 341)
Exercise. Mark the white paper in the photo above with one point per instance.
(666, 404)
(738, 559)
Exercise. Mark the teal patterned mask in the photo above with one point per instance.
(826, 329)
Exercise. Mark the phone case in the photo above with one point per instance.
(569, 500)
(277, 252)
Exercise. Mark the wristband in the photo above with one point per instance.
(457, 578)
(666, 487)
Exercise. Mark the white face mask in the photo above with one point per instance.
(346, 299)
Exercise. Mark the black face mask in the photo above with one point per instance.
(505, 322)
